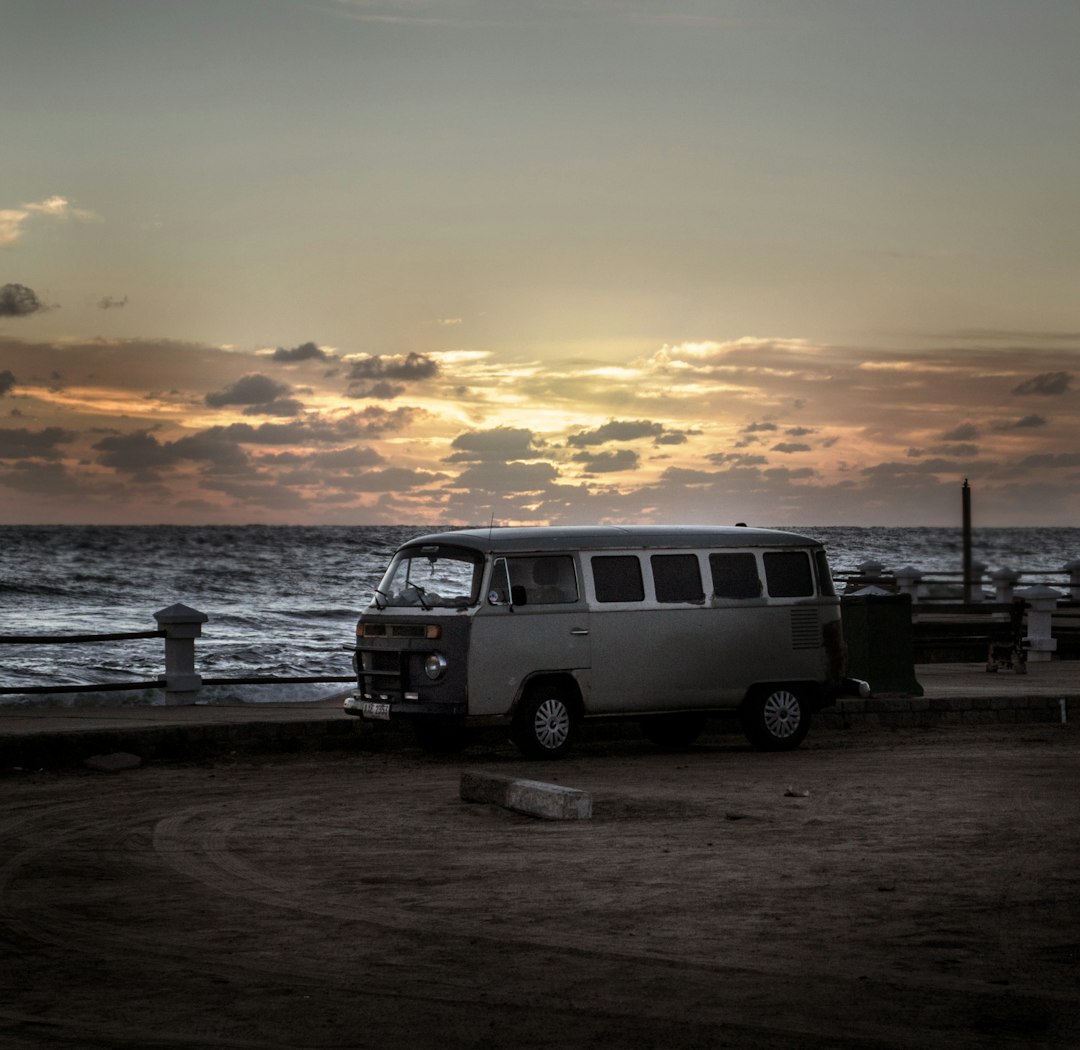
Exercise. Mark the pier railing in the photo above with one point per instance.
(1047, 624)
(179, 626)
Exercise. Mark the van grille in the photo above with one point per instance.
(805, 628)
(394, 630)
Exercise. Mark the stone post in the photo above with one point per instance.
(1073, 569)
(870, 573)
(1004, 582)
(978, 570)
(182, 626)
(907, 580)
(1041, 601)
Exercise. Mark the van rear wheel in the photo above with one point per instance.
(776, 718)
(544, 723)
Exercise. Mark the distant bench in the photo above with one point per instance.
(970, 632)
(963, 633)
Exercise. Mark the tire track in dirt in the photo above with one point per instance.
(381, 904)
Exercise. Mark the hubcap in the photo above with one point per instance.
(782, 714)
(552, 724)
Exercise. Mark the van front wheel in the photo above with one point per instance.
(775, 719)
(544, 724)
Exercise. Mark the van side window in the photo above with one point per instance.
(788, 574)
(677, 578)
(735, 576)
(545, 580)
(617, 578)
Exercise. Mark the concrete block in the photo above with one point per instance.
(532, 797)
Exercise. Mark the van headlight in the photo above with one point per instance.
(435, 666)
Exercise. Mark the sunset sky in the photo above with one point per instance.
(441, 261)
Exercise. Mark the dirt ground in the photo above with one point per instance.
(917, 888)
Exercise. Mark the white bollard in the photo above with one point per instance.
(907, 580)
(1042, 601)
(978, 570)
(1004, 584)
(182, 625)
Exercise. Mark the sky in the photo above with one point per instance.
(464, 261)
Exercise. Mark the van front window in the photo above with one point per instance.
(431, 577)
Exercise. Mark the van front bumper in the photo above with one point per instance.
(389, 710)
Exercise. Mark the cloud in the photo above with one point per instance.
(108, 302)
(393, 479)
(142, 455)
(964, 432)
(14, 220)
(375, 420)
(741, 459)
(675, 437)
(759, 428)
(252, 389)
(1054, 461)
(258, 492)
(961, 450)
(616, 430)
(506, 478)
(285, 406)
(609, 462)
(1024, 423)
(381, 391)
(16, 300)
(790, 446)
(7, 381)
(497, 444)
(411, 367)
(345, 459)
(20, 443)
(1050, 384)
(304, 352)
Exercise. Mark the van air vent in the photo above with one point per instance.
(805, 628)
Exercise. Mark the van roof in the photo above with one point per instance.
(598, 537)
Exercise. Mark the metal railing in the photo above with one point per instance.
(179, 626)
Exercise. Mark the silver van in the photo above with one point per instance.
(541, 629)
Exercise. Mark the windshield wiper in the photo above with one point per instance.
(386, 599)
(420, 592)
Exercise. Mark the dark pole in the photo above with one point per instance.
(967, 541)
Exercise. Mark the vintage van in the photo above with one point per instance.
(540, 629)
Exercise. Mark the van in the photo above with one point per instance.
(543, 629)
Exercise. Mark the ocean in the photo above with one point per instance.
(283, 600)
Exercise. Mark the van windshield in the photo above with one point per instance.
(431, 577)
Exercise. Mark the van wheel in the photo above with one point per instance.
(673, 731)
(775, 718)
(544, 724)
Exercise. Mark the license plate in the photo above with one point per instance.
(370, 709)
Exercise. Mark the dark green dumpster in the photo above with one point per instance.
(877, 629)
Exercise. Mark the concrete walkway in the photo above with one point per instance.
(54, 736)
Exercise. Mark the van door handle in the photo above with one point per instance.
(579, 630)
